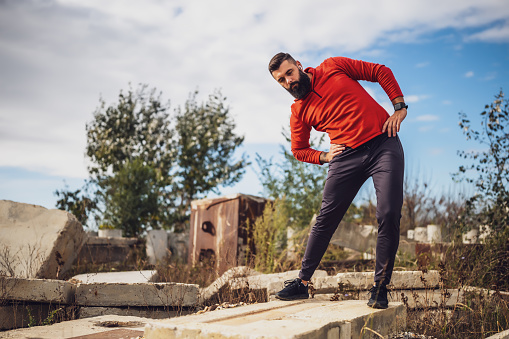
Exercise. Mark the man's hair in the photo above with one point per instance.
(278, 59)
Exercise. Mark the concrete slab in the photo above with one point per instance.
(99, 250)
(280, 319)
(133, 311)
(37, 290)
(236, 275)
(245, 277)
(120, 294)
(364, 280)
(157, 246)
(18, 315)
(413, 298)
(37, 242)
(133, 277)
(501, 335)
(361, 238)
(115, 334)
(101, 326)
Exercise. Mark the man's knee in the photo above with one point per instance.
(390, 218)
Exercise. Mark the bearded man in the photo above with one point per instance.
(364, 144)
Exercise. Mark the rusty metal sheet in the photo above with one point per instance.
(218, 228)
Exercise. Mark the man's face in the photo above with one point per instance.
(293, 79)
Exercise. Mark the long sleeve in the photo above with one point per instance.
(301, 149)
(363, 70)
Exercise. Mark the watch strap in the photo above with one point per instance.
(400, 105)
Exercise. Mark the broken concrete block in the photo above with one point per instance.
(108, 326)
(144, 312)
(21, 314)
(110, 233)
(132, 277)
(236, 276)
(36, 242)
(99, 250)
(119, 294)
(37, 290)
(178, 243)
(157, 246)
(364, 280)
(276, 281)
(358, 237)
(283, 319)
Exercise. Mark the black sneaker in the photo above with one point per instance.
(378, 297)
(294, 289)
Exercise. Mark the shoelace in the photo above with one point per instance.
(291, 282)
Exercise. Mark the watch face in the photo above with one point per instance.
(399, 106)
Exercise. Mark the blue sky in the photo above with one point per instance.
(57, 58)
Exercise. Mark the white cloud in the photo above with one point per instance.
(427, 118)
(499, 33)
(415, 98)
(469, 74)
(422, 64)
(57, 57)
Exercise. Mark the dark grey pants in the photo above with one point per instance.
(382, 159)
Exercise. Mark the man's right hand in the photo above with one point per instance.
(335, 149)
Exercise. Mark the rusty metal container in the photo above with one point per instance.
(219, 229)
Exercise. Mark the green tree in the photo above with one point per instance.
(206, 145)
(132, 197)
(489, 168)
(128, 139)
(297, 185)
(147, 165)
(486, 266)
(137, 127)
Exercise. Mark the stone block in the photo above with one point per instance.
(20, 314)
(37, 290)
(178, 243)
(108, 326)
(144, 312)
(236, 277)
(364, 280)
(110, 233)
(132, 277)
(500, 335)
(99, 250)
(361, 238)
(275, 281)
(279, 319)
(157, 246)
(120, 294)
(36, 242)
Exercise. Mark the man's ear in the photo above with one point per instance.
(299, 65)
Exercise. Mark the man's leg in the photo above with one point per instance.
(387, 170)
(344, 180)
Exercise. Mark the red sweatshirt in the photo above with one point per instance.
(340, 106)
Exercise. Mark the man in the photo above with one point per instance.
(364, 143)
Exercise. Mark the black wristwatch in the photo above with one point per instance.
(400, 105)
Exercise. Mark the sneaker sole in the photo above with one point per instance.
(299, 296)
(378, 306)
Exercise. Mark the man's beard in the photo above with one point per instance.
(302, 86)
